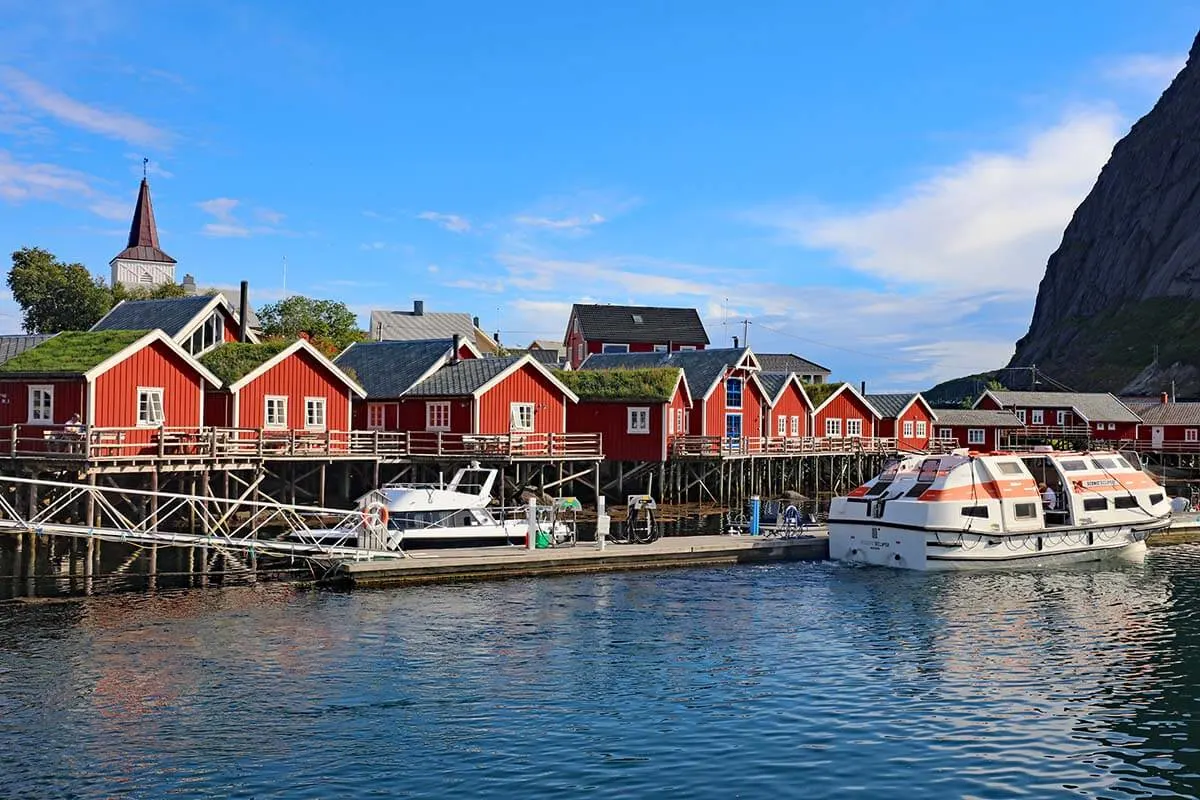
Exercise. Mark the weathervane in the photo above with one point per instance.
(145, 163)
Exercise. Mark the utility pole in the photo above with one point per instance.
(745, 333)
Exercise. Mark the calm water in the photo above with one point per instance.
(799, 680)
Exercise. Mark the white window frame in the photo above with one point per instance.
(1191, 435)
(908, 429)
(976, 436)
(681, 421)
(311, 404)
(1037, 417)
(1020, 412)
(1061, 418)
(41, 413)
(280, 400)
(945, 433)
(436, 410)
(854, 427)
(1112, 426)
(614, 347)
(637, 420)
(376, 416)
(922, 429)
(833, 427)
(795, 425)
(741, 384)
(516, 417)
(781, 425)
(686, 348)
(148, 421)
(660, 348)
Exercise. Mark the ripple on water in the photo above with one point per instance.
(794, 680)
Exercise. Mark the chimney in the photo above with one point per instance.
(244, 313)
(189, 284)
(735, 343)
(475, 321)
(458, 343)
(496, 336)
(1162, 398)
(418, 308)
(379, 331)
(862, 388)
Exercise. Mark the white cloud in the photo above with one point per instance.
(24, 181)
(226, 223)
(151, 168)
(450, 222)
(269, 216)
(576, 224)
(113, 124)
(987, 223)
(372, 246)
(477, 285)
(1146, 69)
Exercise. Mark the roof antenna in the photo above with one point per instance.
(145, 164)
(285, 294)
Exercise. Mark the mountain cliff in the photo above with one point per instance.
(1119, 306)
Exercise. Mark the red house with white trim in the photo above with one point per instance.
(907, 418)
(978, 429)
(845, 414)
(277, 387)
(1166, 425)
(790, 408)
(595, 329)
(1100, 414)
(638, 423)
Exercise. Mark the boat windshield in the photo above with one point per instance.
(410, 520)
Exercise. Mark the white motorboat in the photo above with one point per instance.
(968, 510)
(400, 513)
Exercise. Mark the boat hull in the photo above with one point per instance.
(916, 549)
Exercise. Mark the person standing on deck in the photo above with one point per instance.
(1049, 498)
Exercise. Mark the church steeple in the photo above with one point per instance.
(142, 262)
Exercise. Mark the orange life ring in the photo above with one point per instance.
(375, 514)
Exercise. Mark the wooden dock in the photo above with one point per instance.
(435, 566)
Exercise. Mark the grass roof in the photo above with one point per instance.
(234, 360)
(649, 383)
(819, 392)
(71, 352)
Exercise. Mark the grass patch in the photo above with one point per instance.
(650, 383)
(234, 360)
(71, 352)
(820, 392)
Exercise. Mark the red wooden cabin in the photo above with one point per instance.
(133, 383)
(279, 388)
(1166, 425)
(907, 418)
(637, 412)
(845, 414)
(790, 407)
(979, 429)
(593, 329)
(1100, 414)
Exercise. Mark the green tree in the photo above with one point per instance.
(160, 292)
(55, 296)
(329, 323)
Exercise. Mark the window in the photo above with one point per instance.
(921, 429)
(795, 425)
(1025, 510)
(686, 347)
(1061, 418)
(376, 416)
(1156, 498)
(145, 277)
(1095, 504)
(1112, 426)
(854, 427)
(945, 433)
(781, 425)
(660, 348)
(817, 379)
(210, 334)
(1125, 501)
(637, 319)
(1074, 466)
(149, 406)
(41, 404)
(733, 426)
(1009, 467)
(614, 348)
(976, 436)
(681, 420)
(670, 423)
(1038, 419)
(1191, 435)
(579, 352)
(733, 392)
(275, 413)
(521, 416)
(638, 419)
(833, 427)
(1099, 426)
(1104, 463)
(1020, 412)
(975, 511)
(908, 429)
(437, 416)
(314, 413)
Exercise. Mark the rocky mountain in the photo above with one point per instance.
(1119, 306)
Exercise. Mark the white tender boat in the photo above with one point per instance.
(967, 510)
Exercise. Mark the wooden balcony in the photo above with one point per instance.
(94, 445)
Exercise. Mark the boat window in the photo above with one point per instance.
(1009, 467)
(1025, 510)
(1095, 504)
(1123, 462)
(929, 470)
(975, 511)
(1075, 465)
(917, 490)
(1104, 463)
(1125, 501)
(1156, 498)
(878, 488)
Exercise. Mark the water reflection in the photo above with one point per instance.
(784, 680)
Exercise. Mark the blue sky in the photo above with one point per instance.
(875, 186)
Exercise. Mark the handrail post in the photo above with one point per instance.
(13, 441)
(259, 433)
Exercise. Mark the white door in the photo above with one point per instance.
(1156, 436)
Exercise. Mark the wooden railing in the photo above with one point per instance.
(725, 446)
(79, 443)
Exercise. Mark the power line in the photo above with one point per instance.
(876, 356)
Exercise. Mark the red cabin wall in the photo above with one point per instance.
(992, 437)
(713, 409)
(218, 408)
(845, 406)
(298, 376)
(410, 414)
(791, 404)
(156, 365)
(69, 398)
(680, 423)
(611, 420)
(915, 413)
(527, 385)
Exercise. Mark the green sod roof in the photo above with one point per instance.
(71, 352)
(232, 361)
(649, 383)
(819, 392)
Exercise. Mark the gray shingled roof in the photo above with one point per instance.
(773, 382)
(408, 326)
(387, 370)
(170, 316)
(463, 378)
(548, 358)
(701, 367)
(16, 344)
(1092, 406)
(789, 362)
(976, 417)
(891, 406)
(620, 324)
(1155, 412)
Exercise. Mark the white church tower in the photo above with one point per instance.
(142, 263)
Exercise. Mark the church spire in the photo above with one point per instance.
(143, 233)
